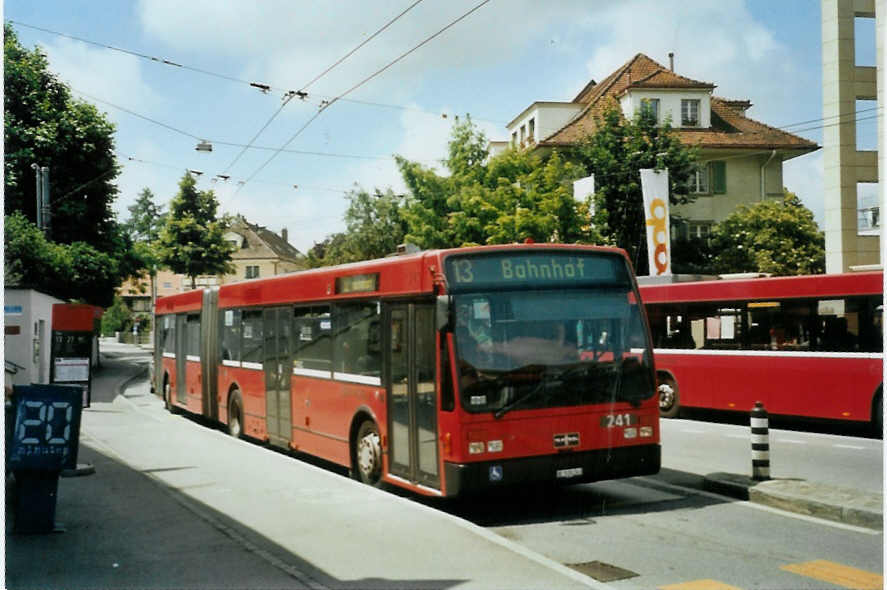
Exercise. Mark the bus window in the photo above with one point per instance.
(715, 326)
(168, 334)
(313, 349)
(849, 325)
(231, 335)
(192, 334)
(252, 346)
(780, 325)
(358, 340)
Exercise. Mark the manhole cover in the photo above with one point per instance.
(602, 572)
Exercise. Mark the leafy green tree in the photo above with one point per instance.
(615, 153)
(192, 240)
(146, 218)
(75, 271)
(44, 125)
(514, 196)
(117, 318)
(778, 237)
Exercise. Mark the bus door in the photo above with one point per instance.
(278, 365)
(412, 398)
(181, 359)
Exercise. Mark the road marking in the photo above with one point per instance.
(854, 447)
(689, 431)
(835, 573)
(700, 585)
(791, 441)
(737, 436)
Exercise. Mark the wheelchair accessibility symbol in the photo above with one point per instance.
(496, 473)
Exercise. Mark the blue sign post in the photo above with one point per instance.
(44, 440)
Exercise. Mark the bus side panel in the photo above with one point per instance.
(194, 386)
(806, 386)
(321, 415)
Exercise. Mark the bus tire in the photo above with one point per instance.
(235, 414)
(367, 450)
(167, 396)
(669, 399)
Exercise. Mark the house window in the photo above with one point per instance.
(514, 139)
(718, 177)
(699, 229)
(532, 130)
(651, 106)
(690, 112)
(252, 272)
(523, 134)
(699, 180)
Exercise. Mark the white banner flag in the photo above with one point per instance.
(583, 188)
(654, 185)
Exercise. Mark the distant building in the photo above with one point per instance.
(258, 252)
(740, 159)
(852, 202)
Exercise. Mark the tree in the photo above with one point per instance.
(512, 197)
(778, 237)
(615, 153)
(117, 318)
(192, 240)
(146, 218)
(44, 125)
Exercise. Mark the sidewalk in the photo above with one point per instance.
(171, 505)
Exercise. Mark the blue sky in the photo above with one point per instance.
(493, 64)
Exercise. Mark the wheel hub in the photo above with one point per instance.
(666, 396)
(369, 452)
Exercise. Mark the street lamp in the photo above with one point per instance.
(204, 146)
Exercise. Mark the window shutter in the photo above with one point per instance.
(719, 178)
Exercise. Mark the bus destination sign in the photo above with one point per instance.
(357, 284)
(535, 269)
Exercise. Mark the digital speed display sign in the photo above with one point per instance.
(46, 432)
(542, 269)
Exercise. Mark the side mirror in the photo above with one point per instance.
(442, 312)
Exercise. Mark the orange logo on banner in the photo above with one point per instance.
(657, 222)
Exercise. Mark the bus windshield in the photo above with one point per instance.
(551, 348)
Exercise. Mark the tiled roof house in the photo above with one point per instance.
(740, 158)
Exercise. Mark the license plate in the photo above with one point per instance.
(618, 420)
(568, 473)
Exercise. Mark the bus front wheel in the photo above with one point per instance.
(669, 400)
(368, 454)
(235, 415)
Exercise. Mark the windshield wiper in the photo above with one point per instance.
(530, 394)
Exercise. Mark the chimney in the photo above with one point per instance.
(671, 60)
(285, 235)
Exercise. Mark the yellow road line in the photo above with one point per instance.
(700, 585)
(835, 573)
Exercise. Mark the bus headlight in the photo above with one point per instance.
(475, 448)
(494, 446)
(630, 432)
(646, 431)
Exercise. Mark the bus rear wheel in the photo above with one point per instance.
(235, 415)
(368, 454)
(669, 400)
(167, 397)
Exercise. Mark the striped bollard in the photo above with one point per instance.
(760, 443)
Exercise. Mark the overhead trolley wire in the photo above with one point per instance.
(302, 91)
(358, 85)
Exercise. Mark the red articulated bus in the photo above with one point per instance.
(443, 372)
(806, 346)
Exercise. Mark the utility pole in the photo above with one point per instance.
(39, 194)
(44, 211)
(47, 209)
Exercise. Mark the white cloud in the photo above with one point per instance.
(804, 177)
(109, 76)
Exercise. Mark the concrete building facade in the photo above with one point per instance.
(852, 229)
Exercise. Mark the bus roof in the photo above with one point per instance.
(797, 287)
(403, 275)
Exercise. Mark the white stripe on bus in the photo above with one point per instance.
(352, 378)
(312, 373)
(256, 366)
(770, 353)
(193, 358)
(169, 355)
(230, 363)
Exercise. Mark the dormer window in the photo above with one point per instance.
(690, 112)
(650, 106)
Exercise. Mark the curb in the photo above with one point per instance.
(844, 505)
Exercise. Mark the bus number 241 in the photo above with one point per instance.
(616, 420)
